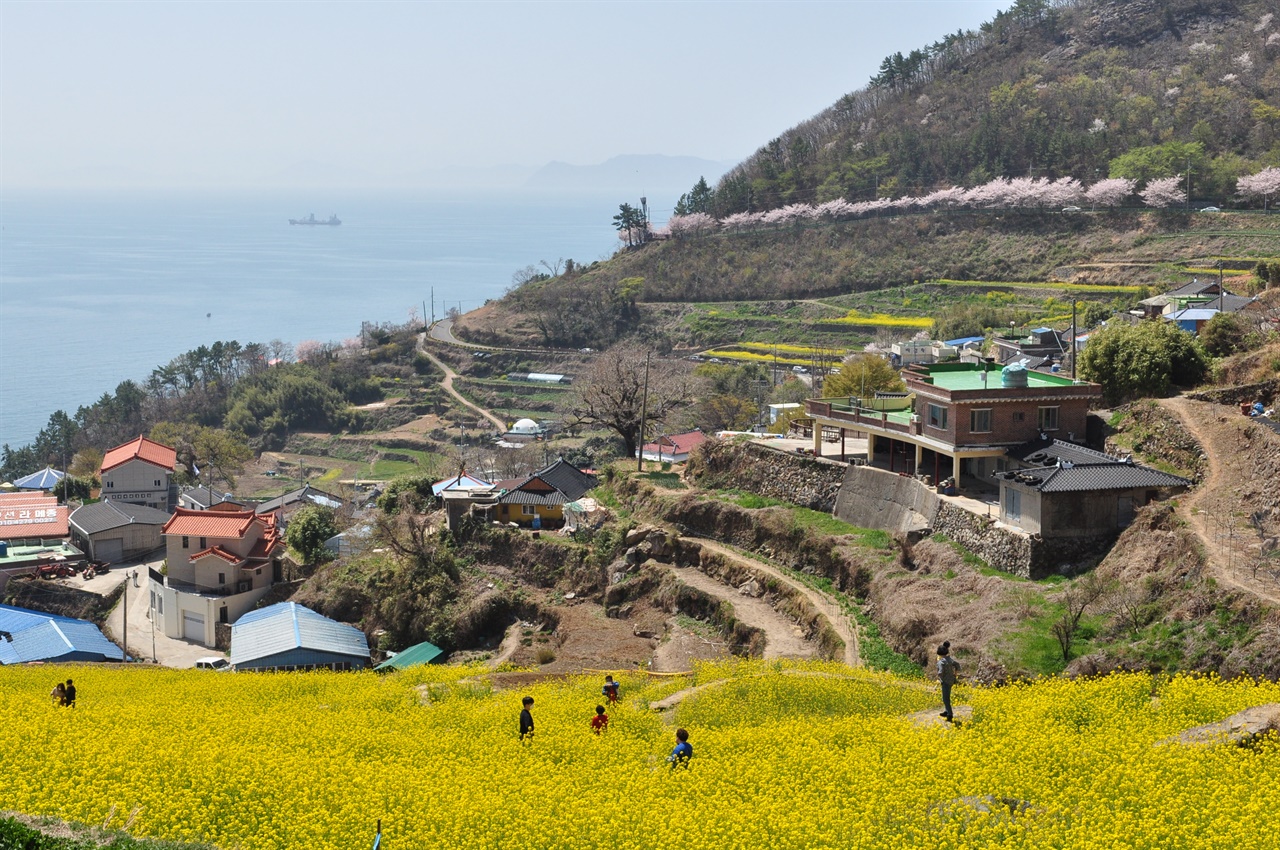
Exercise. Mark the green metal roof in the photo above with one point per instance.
(971, 379)
(421, 653)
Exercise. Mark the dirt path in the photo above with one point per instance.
(826, 606)
(447, 383)
(783, 638)
(1211, 508)
(510, 643)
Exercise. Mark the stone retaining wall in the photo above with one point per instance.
(799, 479)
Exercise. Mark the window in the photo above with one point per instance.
(111, 485)
(1019, 416)
(157, 482)
(222, 578)
(980, 421)
(160, 605)
(204, 544)
(937, 416)
(1048, 419)
(528, 510)
(186, 542)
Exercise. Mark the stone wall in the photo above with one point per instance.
(799, 479)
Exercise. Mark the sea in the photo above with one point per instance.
(97, 288)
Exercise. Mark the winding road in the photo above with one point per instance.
(447, 383)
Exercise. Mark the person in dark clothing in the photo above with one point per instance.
(683, 751)
(948, 669)
(526, 719)
(610, 689)
(70, 698)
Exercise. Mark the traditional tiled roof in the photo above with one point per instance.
(225, 524)
(1048, 451)
(103, 516)
(216, 552)
(305, 495)
(26, 515)
(140, 449)
(557, 484)
(1071, 478)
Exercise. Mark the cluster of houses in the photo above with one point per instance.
(223, 556)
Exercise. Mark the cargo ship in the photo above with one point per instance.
(312, 221)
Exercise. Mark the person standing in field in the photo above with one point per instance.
(526, 719)
(683, 751)
(70, 699)
(610, 690)
(59, 694)
(948, 669)
(600, 722)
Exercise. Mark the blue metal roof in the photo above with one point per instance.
(964, 340)
(35, 636)
(45, 479)
(1191, 315)
(287, 626)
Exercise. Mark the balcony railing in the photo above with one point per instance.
(858, 416)
(204, 590)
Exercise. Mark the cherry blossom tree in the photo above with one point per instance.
(1110, 192)
(1165, 192)
(694, 224)
(1265, 183)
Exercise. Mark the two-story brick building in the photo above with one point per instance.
(958, 419)
(139, 472)
(219, 564)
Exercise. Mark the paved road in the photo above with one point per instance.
(168, 651)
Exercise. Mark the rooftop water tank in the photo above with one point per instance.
(1013, 375)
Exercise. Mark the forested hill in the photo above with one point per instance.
(1056, 88)
(1056, 142)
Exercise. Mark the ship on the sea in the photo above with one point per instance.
(312, 221)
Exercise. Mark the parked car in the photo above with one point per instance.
(1071, 209)
(213, 662)
(1210, 209)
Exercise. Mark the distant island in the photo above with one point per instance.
(312, 221)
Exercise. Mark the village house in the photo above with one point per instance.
(674, 448)
(220, 563)
(203, 498)
(140, 472)
(117, 531)
(957, 420)
(290, 503)
(1057, 489)
(539, 499)
(288, 636)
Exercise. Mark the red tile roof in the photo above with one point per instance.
(140, 449)
(677, 443)
(31, 515)
(209, 523)
(216, 552)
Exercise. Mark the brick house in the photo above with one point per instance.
(958, 419)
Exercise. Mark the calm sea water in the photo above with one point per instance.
(96, 289)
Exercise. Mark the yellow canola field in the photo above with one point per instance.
(786, 755)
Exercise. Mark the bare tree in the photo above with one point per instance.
(612, 392)
(1075, 600)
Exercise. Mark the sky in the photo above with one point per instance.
(226, 94)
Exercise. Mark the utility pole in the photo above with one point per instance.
(433, 305)
(1073, 340)
(124, 639)
(644, 409)
(1188, 184)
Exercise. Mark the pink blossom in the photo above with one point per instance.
(1110, 192)
(1265, 183)
(1165, 192)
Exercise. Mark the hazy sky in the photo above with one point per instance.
(231, 93)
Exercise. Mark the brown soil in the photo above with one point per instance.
(1240, 488)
